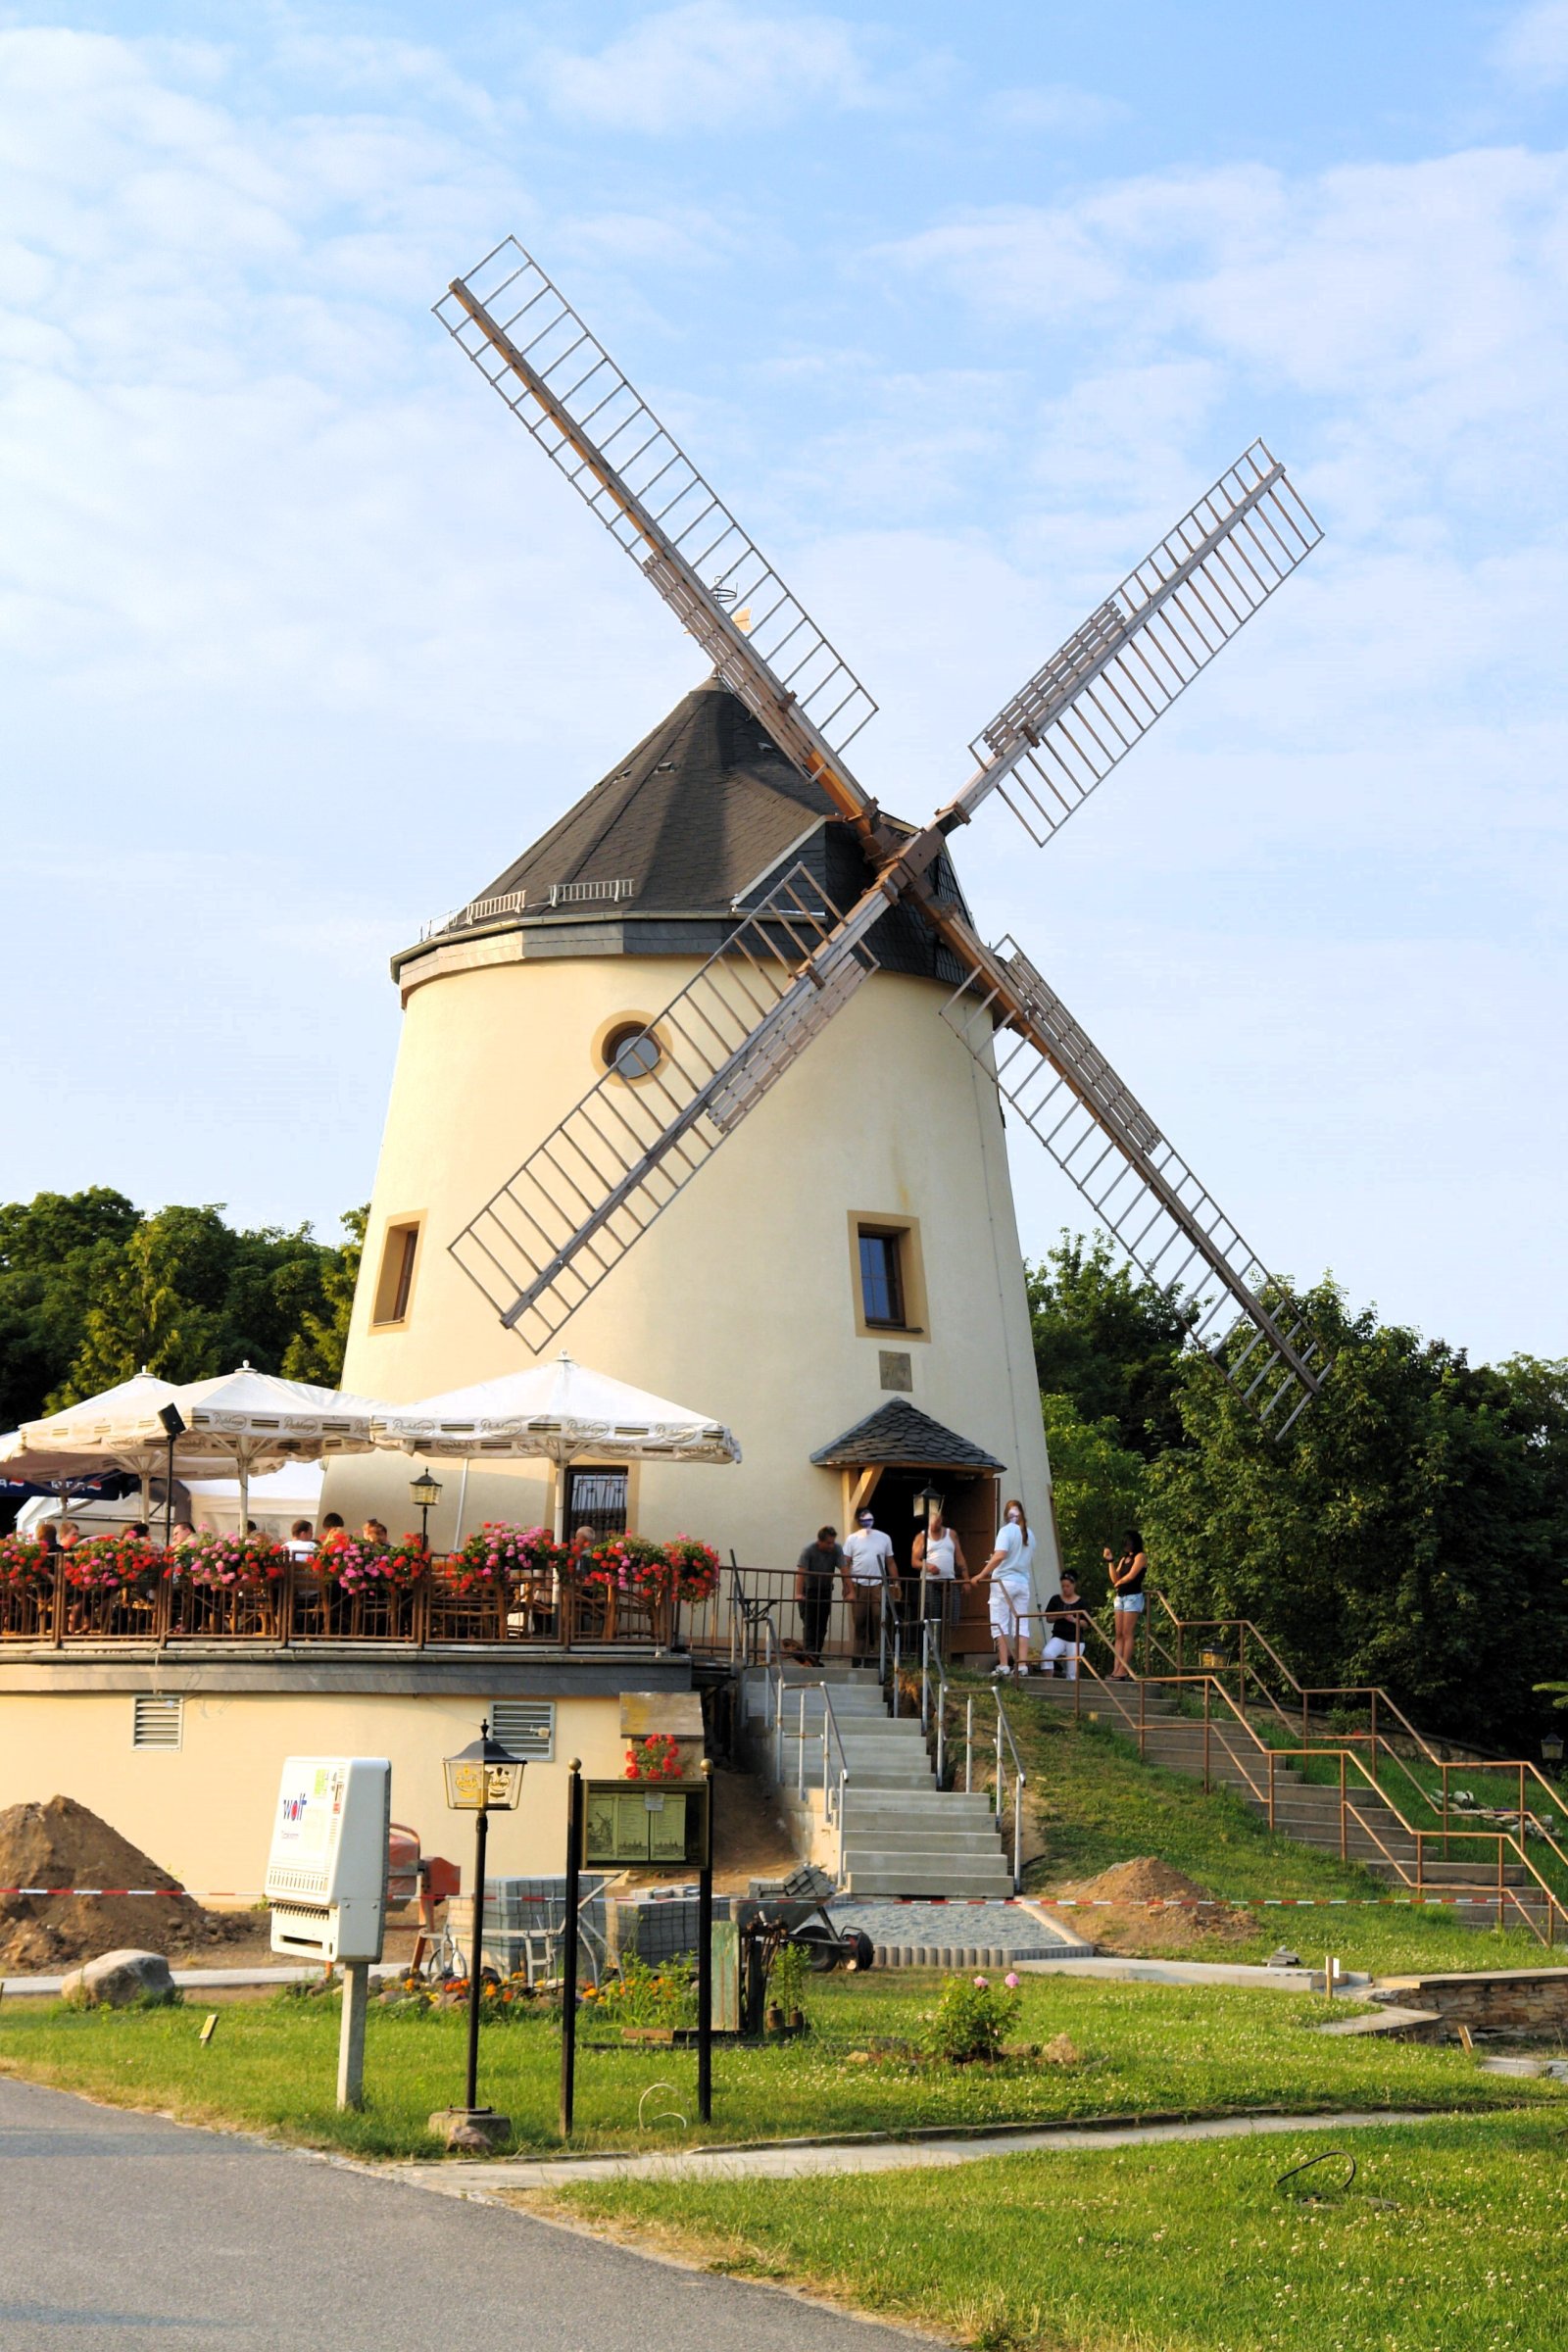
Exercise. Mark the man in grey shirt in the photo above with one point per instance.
(814, 1571)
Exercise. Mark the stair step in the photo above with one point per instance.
(869, 1877)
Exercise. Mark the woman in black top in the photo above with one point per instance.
(1127, 1574)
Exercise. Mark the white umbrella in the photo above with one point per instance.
(92, 1435)
(248, 1419)
(554, 1412)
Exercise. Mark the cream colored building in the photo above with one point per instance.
(748, 1299)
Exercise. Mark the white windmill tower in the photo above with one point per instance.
(582, 1039)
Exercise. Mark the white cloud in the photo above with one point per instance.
(1534, 48)
(713, 66)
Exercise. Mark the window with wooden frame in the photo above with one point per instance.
(394, 1282)
(888, 1278)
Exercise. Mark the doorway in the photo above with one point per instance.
(970, 1506)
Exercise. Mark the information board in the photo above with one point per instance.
(630, 1825)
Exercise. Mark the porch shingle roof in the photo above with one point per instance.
(899, 1435)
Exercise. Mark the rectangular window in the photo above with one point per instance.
(394, 1285)
(157, 1723)
(597, 1499)
(881, 1279)
(527, 1726)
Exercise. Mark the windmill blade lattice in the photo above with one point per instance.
(528, 342)
(568, 1215)
(1061, 734)
(1139, 1185)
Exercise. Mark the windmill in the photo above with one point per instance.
(563, 1220)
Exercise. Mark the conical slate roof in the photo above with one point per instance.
(705, 815)
(703, 806)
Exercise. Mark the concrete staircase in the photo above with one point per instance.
(1306, 1810)
(903, 1835)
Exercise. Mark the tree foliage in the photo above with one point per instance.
(1099, 1486)
(91, 1289)
(1409, 1532)
(1109, 1340)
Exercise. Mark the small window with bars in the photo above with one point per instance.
(157, 1723)
(598, 1499)
(526, 1725)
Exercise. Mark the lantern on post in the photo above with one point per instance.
(1551, 1748)
(482, 1779)
(424, 1492)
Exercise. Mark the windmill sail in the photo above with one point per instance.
(1137, 1185)
(568, 1215)
(1061, 734)
(528, 342)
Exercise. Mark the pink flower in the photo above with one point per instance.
(983, 1984)
(1011, 1982)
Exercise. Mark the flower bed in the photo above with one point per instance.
(26, 1566)
(358, 1566)
(501, 1556)
(122, 1563)
(220, 1562)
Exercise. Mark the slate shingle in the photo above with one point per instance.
(899, 1435)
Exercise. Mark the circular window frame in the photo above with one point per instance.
(625, 1025)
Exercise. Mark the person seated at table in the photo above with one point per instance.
(301, 1541)
(182, 1532)
(334, 1535)
(374, 1531)
(69, 1535)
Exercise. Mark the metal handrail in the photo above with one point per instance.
(934, 1694)
(1004, 1731)
(833, 1803)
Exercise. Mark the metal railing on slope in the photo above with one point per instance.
(1385, 1763)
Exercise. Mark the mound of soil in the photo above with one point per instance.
(1146, 1880)
(62, 1844)
(1135, 1928)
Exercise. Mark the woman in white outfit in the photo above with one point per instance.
(1010, 1571)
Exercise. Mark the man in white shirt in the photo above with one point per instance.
(870, 1569)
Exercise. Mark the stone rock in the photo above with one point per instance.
(116, 1980)
(471, 2131)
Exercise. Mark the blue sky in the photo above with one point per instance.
(301, 640)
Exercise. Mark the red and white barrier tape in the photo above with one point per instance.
(1047, 1902)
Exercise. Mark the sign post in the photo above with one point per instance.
(569, 1948)
(704, 1957)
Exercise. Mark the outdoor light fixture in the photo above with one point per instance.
(928, 1499)
(424, 1492)
(484, 1778)
(1551, 1748)
(174, 1421)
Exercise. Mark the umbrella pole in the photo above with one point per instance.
(463, 1497)
(242, 1463)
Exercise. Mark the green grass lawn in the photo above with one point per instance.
(1092, 1803)
(1452, 2239)
(1141, 2048)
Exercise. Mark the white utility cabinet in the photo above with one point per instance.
(327, 1871)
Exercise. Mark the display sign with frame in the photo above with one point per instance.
(637, 1824)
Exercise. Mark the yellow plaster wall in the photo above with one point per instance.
(206, 1812)
(739, 1301)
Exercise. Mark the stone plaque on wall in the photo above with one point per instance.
(898, 1371)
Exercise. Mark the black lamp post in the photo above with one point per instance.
(485, 1777)
(1551, 1748)
(425, 1492)
(174, 1421)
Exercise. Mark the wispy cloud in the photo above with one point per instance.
(716, 67)
(1534, 48)
(1058, 107)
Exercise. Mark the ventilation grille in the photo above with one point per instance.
(527, 1726)
(157, 1723)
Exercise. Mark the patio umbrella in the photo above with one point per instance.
(554, 1412)
(242, 1421)
(27, 1471)
(92, 1435)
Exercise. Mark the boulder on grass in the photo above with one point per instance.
(471, 2131)
(119, 1981)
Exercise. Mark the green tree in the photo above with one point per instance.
(1109, 1341)
(316, 1351)
(1409, 1532)
(52, 1250)
(1098, 1487)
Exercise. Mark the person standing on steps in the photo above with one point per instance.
(872, 1571)
(814, 1571)
(939, 1562)
(1127, 1574)
(1009, 1570)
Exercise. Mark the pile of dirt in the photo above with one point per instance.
(1186, 1919)
(62, 1844)
(1145, 1880)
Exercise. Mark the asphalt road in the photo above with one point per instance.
(119, 2229)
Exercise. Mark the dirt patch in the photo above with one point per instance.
(62, 1844)
(1185, 1920)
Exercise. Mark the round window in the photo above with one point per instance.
(631, 1051)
